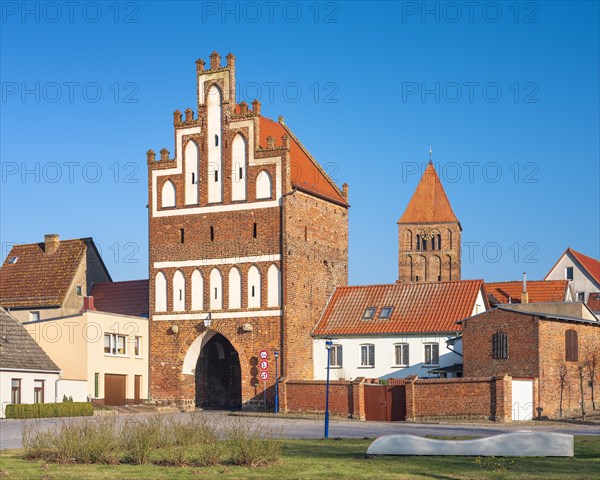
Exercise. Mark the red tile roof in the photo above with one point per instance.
(307, 174)
(429, 203)
(37, 279)
(591, 265)
(126, 298)
(418, 307)
(537, 290)
(594, 302)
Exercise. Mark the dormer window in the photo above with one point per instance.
(386, 313)
(12, 260)
(369, 313)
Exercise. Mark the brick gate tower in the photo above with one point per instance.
(429, 234)
(248, 236)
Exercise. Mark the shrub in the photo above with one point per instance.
(206, 455)
(196, 431)
(251, 447)
(45, 410)
(140, 437)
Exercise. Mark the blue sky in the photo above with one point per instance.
(506, 94)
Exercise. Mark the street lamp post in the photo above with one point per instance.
(328, 344)
(276, 354)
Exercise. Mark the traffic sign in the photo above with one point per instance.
(264, 375)
(264, 354)
(264, 365)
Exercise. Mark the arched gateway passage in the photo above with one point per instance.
(218, 375)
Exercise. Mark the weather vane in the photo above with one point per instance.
(430, 152)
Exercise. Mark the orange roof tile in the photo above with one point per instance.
(37, 279)
(429, 203)
(418, 307)
(307, 174)
(537, 290)
(130, 297)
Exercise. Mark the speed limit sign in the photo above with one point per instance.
(264, 375)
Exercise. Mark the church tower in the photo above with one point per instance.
(429, 234)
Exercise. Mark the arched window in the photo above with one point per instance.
(450, 239)
(263, 185)
(273, 287)
(433, 243)
(418, 242)
(254, 287)
(238, 168)
(424, 243)
(191, 173)
(168, 195)
(439, 241)
(160, 293)
(178, 291)
(235, 288)
(214, 114)
(571, 346)
(216, 290)
(197, 290)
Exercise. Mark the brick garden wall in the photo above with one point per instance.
(488, 398)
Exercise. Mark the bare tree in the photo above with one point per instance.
(581, 367)
(562, 373)
(592, 364)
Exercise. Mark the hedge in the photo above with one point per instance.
(45, 410)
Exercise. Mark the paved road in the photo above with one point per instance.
(286, 427)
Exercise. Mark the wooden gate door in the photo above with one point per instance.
(396, 398)
(114, 389)
(375, 402)
(137, 386)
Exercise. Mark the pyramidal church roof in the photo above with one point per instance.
(429, 203)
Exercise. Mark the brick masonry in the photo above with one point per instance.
(536, 350)
(304, 235)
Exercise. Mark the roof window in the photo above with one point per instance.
(369, 313)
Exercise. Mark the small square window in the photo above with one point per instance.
(581, 296)
(34, 316)
(386, 312)
(79, 290)
(569, 273)
(369, 313)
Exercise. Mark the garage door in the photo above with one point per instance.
(522, 400)
(114, 389)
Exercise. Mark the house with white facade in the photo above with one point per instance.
(397, 330)
(582, 271)
(27, 374)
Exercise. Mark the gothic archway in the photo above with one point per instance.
(218, 375)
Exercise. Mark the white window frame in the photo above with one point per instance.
(403, 346)
(368, 347)
(431, 345)
(34, 316)
(336, 356)
(113, 345)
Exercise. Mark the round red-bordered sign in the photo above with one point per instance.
(263, 354)
(264, 375)
(264, 365)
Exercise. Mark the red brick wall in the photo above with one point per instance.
(457, 398)
(522, 331)
(315, 262)
(308, 396)
(552, 358)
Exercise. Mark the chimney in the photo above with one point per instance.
(51, 243)
(88, 304)
(524, 294)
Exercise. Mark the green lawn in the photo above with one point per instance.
(332, 459)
